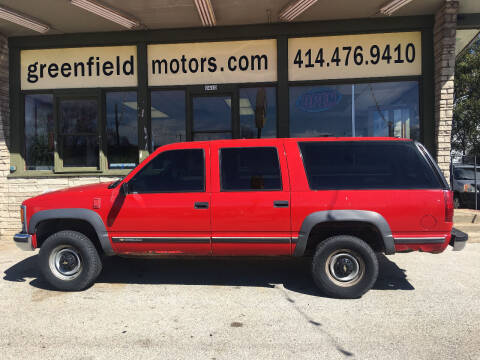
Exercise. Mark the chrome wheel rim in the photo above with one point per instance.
(65, 262)
(345, 267)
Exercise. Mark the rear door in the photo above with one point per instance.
(250, 199)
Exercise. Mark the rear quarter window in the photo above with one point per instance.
(366, 165)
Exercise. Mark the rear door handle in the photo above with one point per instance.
(201, 205)
(280, 203)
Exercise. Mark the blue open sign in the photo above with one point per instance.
(317, 100)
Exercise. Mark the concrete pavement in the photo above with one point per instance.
(423, 306)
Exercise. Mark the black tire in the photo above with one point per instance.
(77, 255)
(336, 259)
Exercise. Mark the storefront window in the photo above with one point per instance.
(321, 111)
(168, 117)
(258, 112)
(122, 130)
(79, 132)
(212, 117)
(370, 109)
(387, 109)
(39, 132)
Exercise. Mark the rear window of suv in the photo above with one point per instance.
(366, 165)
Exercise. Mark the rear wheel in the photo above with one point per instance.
(344, 266)
(69, 261)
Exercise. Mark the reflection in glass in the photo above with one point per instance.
(212, 136)
(39, 132)
(321, 111)
(212, 117)
(168, 117)
(80, 150)
(387, 109)
(78, 126)
(78, 116)
(258, 112)
(122, 130)
(379, 109)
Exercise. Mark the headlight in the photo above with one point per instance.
(468, 188)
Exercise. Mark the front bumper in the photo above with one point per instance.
(458, 239)
(23, 241)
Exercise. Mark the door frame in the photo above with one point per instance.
(219, 90)
(87, 94)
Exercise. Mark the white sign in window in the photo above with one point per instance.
(109, 66)
(212, 62)
(354, 56)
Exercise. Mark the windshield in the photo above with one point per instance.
(465, 174)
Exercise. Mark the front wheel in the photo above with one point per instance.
(69, 261)
(345, 267)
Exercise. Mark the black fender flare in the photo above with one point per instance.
(365, 216)
(89, 216)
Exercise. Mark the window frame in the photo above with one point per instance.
(243, 148)
(171, 192)
(19, 160)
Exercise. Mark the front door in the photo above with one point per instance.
(77, 133)
(167, 208)
(211, 117)
(250, 199)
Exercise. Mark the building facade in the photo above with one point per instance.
(83, 108)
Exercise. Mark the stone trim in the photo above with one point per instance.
(444, 33)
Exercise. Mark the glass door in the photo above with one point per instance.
(78, 134)
(211, 117)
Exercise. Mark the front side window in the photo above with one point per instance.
(250, 169)
(39, 132)
(333, 165)
(122, 129)
(172, 171)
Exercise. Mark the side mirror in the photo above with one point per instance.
(124, 188)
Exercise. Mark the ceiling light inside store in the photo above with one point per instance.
(155, 113)
(245, 106)
(205, 11)
(292, 10)
(22, 20)
(107, 13)
(392, 6)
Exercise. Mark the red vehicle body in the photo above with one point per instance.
(244, 223)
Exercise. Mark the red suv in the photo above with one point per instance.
(337, 200)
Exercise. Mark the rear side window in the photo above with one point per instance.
(247, 169)
(171, 171)
(366, 165)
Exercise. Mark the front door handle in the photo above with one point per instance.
(201, 205)
(280, 203)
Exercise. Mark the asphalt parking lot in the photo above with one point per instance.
(423, 306)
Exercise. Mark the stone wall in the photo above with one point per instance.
(444, 55)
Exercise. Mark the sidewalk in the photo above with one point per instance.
(468, 221)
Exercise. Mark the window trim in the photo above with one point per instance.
(242, 148)
(172, 192)
(410, 143)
